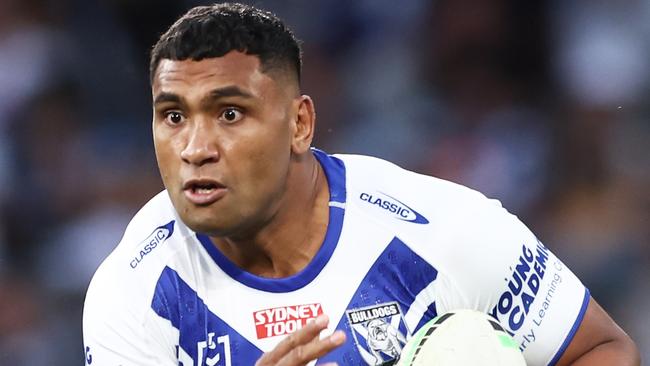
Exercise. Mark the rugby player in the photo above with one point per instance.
(260, 242)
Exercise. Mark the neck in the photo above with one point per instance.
(291, 238)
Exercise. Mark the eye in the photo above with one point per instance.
(231, 115)
(174, 117)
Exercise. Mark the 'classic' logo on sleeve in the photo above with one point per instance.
(392, 205)
(157, 237)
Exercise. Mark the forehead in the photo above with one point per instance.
(234, 68)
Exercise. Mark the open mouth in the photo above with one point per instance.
(203, 192)
(204, 188)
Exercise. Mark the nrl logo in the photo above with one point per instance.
(379, 332)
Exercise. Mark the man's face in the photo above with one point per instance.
(223, 134)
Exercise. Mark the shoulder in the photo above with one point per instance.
(118, 324)
(403, 197)
(128, 275)
(456, 229)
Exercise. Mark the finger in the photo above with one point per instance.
(305, 335)
(317, 348)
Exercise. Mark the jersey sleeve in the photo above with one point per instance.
(116, 331)
(498, 266)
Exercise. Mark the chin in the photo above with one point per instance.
(208, 221)
(205, 227)
(200, 219)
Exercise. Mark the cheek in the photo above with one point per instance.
(264, 162)
(165, 155)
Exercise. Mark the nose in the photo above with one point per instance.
(201, 146)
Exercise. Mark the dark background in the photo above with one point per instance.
(541, 104)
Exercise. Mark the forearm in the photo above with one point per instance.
(616, 352)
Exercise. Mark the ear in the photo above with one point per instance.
(304, 123)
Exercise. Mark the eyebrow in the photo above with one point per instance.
(225, 92)
(229, 91)
(167, 97)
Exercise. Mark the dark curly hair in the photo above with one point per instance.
(212, 31)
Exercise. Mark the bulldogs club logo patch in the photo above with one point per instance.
(379, 332)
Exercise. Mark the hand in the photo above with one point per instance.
(303, 346)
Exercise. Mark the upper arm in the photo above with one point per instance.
(499, 267)
(600, 341)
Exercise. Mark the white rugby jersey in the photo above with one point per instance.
(400, 249)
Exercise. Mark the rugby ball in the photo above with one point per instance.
(459, 338)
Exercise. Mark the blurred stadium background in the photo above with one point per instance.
(541, 104)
